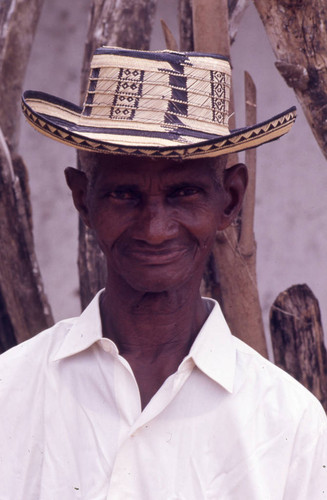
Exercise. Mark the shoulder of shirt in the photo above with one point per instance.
(289, 392)
(40, 347)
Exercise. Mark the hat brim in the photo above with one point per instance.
(63, 121)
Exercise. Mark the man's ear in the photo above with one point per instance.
(235, 180)
(78, 182)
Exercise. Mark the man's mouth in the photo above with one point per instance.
(156, 255)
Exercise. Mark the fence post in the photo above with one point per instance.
(298, 340)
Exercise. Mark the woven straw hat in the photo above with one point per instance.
(155, 104)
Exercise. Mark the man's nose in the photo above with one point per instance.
(156, 224)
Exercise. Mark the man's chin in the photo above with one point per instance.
(160, 279)
(150, 287)
(151, 284)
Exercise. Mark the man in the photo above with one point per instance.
(147, 395)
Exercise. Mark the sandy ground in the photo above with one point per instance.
(291, 206)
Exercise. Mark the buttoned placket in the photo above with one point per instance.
(136, 421)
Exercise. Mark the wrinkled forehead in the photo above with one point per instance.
(95, 163)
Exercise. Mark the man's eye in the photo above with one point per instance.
(185, 191)
(122, 195)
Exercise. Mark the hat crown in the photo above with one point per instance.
(176, 93)
(153, 104)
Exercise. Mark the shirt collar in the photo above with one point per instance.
(213, 351)
(85, 331)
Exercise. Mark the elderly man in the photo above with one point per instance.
(147, 395)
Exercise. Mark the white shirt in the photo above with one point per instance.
(227, 425)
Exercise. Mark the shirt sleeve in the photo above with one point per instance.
(307, 477)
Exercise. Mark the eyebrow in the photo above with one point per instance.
(190, 182)
(113, 186)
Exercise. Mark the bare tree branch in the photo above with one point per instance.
(236, 9)
(298, 35)
(246, 240)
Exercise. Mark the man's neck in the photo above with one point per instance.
(153, 331)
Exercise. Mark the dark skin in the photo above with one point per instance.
(156, 222)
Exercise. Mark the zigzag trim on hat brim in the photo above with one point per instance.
(237, 140)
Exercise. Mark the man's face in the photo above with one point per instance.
(155, 220)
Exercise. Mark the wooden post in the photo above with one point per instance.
(210, 26)
(231, 274)
(236, 10)
(297, 338)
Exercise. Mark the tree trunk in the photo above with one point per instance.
(297, 339)
(24, 309)
(18, 21)
(128, 24)
(297, 31)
